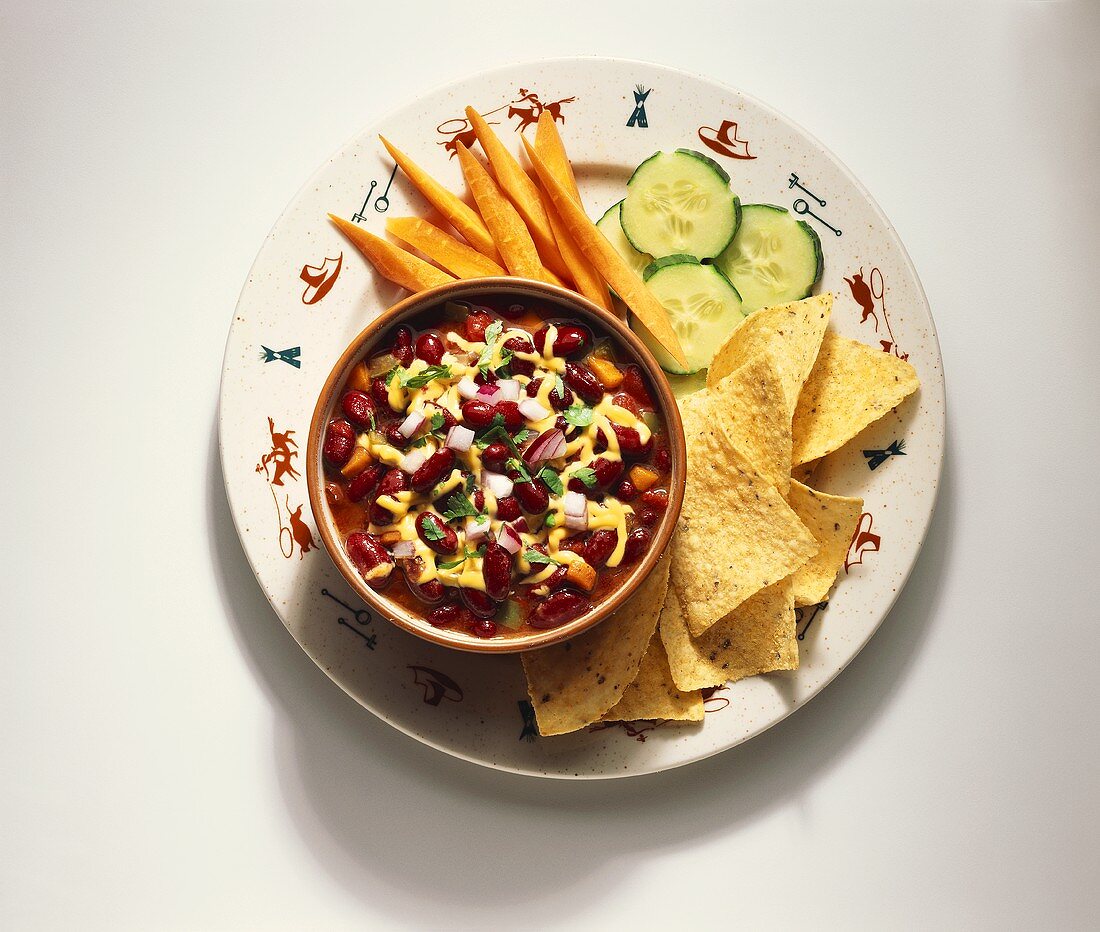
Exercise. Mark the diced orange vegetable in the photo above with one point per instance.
(549, 145)
(457, 212)
(392, 262)
(456, 257)
(648, 312)
(360, 460)
(511, 236)
(523, 193)
(389, 538)
(360, 377)
(581, 574)
(643, 478)
(610, 375)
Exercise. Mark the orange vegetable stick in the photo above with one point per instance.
(509, 233)
(392, 262)
(457, 212)
(523, 193)
(549, 145)
(620, 276)
(442, 248)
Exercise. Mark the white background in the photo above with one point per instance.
(171, 759)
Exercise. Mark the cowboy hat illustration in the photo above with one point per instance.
(724, 140)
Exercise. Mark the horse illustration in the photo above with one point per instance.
(282, 453)
(299, 532)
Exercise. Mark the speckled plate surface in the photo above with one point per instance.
(308, 294)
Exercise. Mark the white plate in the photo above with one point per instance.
(308, 294)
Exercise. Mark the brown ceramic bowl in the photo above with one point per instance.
(558, 302)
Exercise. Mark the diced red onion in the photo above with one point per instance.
(509, 539)
(509, 390)
(404, 549)
(459, 438)
(468, 388)
(497, 483)
(519, 525)
(548, 445)
(477, 528)
(411, 424)
(577, 522)
(413, 460)
(576, 505)
(532, 410)
(488, 393)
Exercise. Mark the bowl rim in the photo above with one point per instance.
(417, 624)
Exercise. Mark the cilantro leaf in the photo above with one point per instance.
(432, 531)
(586, 475)
(534, 556)
(492, 334)
(459, 506)
(423, 377)
(559, 386)
(523, 436)
(471, 484)
(497, 431)
(552, 480)
(451, 564)
(437, 421)
(578, 415)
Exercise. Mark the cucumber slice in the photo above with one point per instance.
(611, 227)
(703, 308)
(773, 259)
(680, 203)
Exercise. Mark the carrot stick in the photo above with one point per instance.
(391, 261)
(523, 193)
(442, 248)
(457, 212)
(512, 238)
(620, 276)
(549, 145)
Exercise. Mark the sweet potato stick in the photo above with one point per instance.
(620, 276)
(549, 145)
(442, 248)
(509, 233)
(391, 261)
(523, 193)
(457, 212)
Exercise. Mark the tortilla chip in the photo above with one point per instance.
(757, 637)
(792, 331)
(805, 471)
(573, 683)
(851, 386)
(736, 534)
(757, 418)
(653, 694)
(832, 520)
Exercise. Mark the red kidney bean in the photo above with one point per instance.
(556, 579)
(574, 544)
(478, 602)
(570, 340)
(637, 543)
(367, 553)
(429, 347)
(446, 616)
(626, 491)
(533, 387)
(520, 366)
(366, 482)
(394, 437)
(513, 312)
(484, 628)
(478, 498)
(607, 473)
(662, 459)
(485, 378)
(475, 325)
(477, 414)
(393, 481)
(449, 420)
(339, 442)
(630, 442)
(442, 538)
(380, 392)
(583, 381)
(509, 410)
(557, 609)
(495, 456)
(560, 400)
(647, 516)
(402, 349)
(437, 468)
(496, 568)
(333, 493)
(534, 496)
(433, 591)
(634, 384)
(508, 509)
(358, 408)
(627, 402)
(655, 498)
(600, 546)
